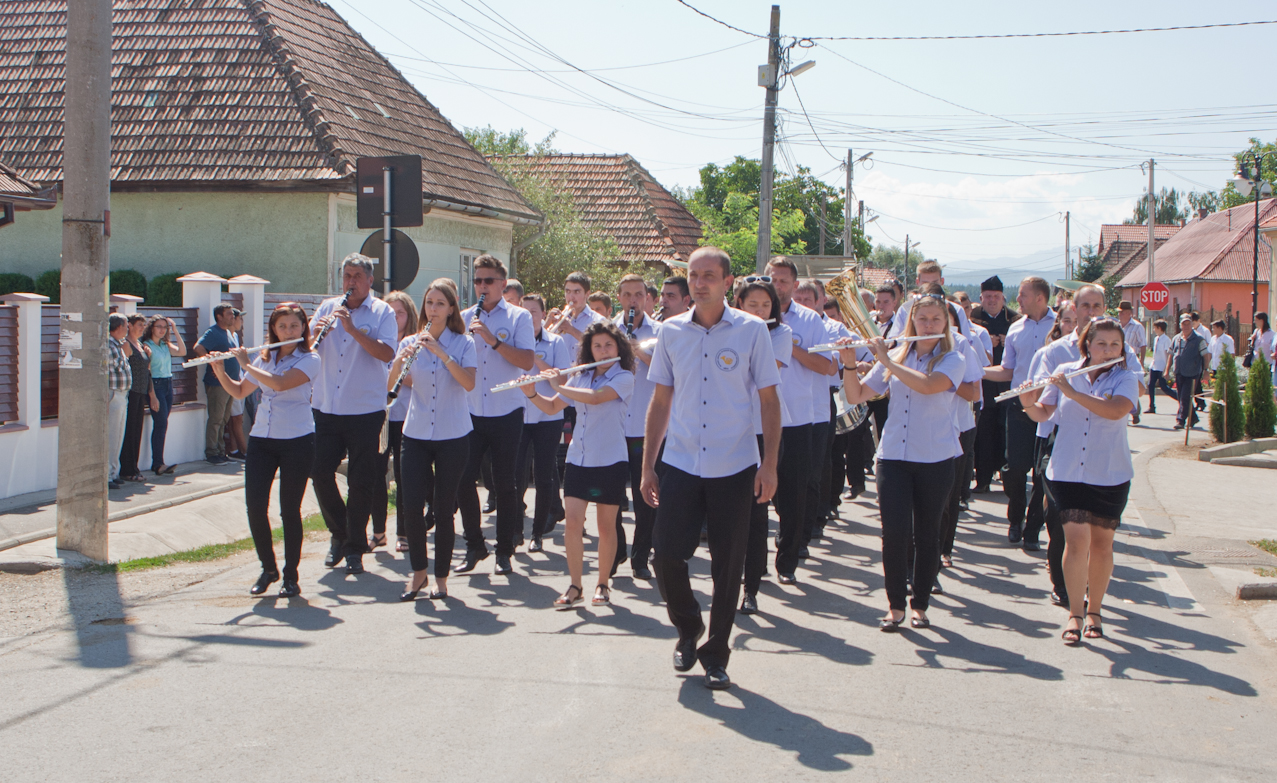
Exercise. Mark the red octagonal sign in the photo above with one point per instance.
(1154, 296)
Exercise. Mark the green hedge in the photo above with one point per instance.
(1226, 390)
(164, 290)
(128, 281)
(50, 284)
(1260, 410)
(16, 283)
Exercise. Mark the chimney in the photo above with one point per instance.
(1202, 213)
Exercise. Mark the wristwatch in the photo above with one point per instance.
(497, 344)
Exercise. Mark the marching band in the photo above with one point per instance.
(713, 399)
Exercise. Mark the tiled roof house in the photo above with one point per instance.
(236, 125)
(1123, 246)
(20, 194)
(620, 198)
(1209, 262)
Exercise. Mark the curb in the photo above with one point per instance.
(1256, 591)
(40, 535)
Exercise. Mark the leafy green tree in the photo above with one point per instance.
(16, 283)
(1091, 266)
(1230, 196)
(1170, 209)
(1260, 410)
(734, 228)
(1226, 390)
(50, 284)
(490, 141)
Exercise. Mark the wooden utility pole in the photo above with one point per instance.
(83, 393)
(771, 76)
(822, 224)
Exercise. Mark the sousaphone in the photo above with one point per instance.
(846, 294)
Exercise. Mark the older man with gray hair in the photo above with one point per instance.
(349, 404)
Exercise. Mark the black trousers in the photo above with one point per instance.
(1185, 385)
(357, 438)
(540, 444)
(814, 510)
(722, 507)
(911, 498)
(380, 496)
(292, 459)
(1054, 525)
(860, 453)
(756, 547)
(1021, 437)
(1156, 379)
(644, 515)
(499, 435)
(824, 508)
(132, 446)
(840, 468)
(791, 495)
(949, 521)
(991, 434)
(443, 461)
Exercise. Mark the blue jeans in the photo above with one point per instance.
(163, 388)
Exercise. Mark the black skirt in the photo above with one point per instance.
(1108, 502)
(604, 485)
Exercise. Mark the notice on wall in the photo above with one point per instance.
(72, 317)
(68, 362)
(70, 341)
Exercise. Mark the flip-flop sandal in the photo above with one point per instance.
(1072, 636)
(375, 541)
(401, 545)
(1093, 631)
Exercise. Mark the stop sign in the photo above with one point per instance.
(1154, 296)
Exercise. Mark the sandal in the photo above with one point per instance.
(602, 596)
(401, 545)
(376, 540)
(946, 561)
(568, 600)
(1072, 635)
(1093, 631)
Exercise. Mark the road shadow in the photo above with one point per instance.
(615, 616)
(296, 612)
(101, 625)
(798, 639)
(937, 644)
(757, 718)
(437, 617)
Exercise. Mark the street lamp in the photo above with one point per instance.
(1245, 184)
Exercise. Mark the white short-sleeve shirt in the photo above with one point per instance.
(1023, 339)
(553, 350)
(920, 427)
(1091, 449)
(581, 322)
(976, 361)
(1218, 346)
(287, 414)
(353, 381)
(439, 408)
(513, 326)
(797, 382)
(636, 411)
(783, 349)
(1135, 335)
(598, 439)
(713, 372)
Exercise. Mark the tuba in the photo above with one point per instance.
(845, 292)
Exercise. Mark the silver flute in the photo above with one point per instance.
(1007, 395)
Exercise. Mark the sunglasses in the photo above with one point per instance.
(485, 280)
(288, 306)
(758, 279)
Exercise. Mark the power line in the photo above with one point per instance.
(950, 228)
(986, 35)
(567, 70)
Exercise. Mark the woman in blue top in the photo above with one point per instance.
(1091, 470)
(406, 319)
(162, 337)
(282, 439)
(436, 432)
(917, 451)
(598, 462)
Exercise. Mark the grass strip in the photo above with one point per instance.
(1266, 544)
(313, 523)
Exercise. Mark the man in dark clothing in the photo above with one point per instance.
(990, 440)
(1188, 357)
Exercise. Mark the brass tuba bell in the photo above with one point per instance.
(846, 293)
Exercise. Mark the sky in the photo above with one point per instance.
(979, 146)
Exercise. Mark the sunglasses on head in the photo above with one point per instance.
(758, 279)
(485, 280)
(288, 306)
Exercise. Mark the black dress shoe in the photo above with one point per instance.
(336, 553)
(503, 565)
(473, 556)
(641, 571)
(1031, 546)
(411, 595)
(354, 565)
(980, 489)
(716, 679)
(535, 546)
(749, 604)
(787, 579)
(290, 589)
(804, 553)
(936, 589)
(685, 651)
(264, 581)
(1015, 532)
(1058, 599)
(490, 505)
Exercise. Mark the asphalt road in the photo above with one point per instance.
(207, 683)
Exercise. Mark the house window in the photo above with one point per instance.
(465, 277)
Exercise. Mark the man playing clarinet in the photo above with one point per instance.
(705, 364)
(349, 403)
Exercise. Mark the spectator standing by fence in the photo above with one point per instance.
(218, 337)
(119, 380)
(1188, 358)
(164, 342)
(139, 392)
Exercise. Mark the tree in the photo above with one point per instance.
(1260, 410)
(1170, 210)
(1226, 391)
(1091, 267)
(567, 243)
(128, 281)
(1230, 196)
(50, 284)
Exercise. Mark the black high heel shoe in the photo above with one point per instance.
(411, 595)
(264, 581)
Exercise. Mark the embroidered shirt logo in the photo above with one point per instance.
(727, 359)
(503, 334)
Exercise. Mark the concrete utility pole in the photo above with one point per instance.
(772, 77)
(846, 219)
(1152, 217)
(86, 202)
(822, 224)
(1067, 256)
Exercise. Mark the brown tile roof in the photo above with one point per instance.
(1123, 246)
(871, 278)
(233, 91)
(23, 193)
(615, 194)
(13, 185)
(1219, 247)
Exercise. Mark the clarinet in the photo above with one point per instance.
(478, 308)
(407, 365)
(629, 323)
(323, 330)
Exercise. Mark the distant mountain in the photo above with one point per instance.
(1011, 270)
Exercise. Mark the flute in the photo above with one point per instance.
(562, 374)
(220, 355)
(1007, 395)
(332, 320)
(407, 365)
(831, 347)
